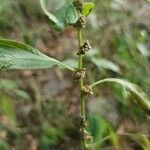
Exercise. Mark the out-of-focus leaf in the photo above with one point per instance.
(4, 145)
(142, 140)
(98, 127)
(64, 16)
(50, 15)
(117, 4)
(142, 98)
(11, 87)
(22, 94)
(148, 1)
(70, 62)
(87, 8)
(6, 108)
(143, 49)
(16, 55)
(92, 53)
(44, 143)
(51, 135)
(106, 64)
(7, 84)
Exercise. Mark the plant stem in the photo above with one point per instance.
(80, 57)
(82, 97)
(83, 117)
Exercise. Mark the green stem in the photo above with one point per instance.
(80, 57)
(82, 97)
(83, 117)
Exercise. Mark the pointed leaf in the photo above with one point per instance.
(142, 98)
(16, 55)
(87, 8)
(64, 16)
(106, 64)
(50, 15)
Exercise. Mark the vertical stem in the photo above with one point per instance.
(80, 63)
(80, 57)
(82, 97)
(83, 117)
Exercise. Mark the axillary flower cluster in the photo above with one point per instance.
(80, 73)
(83, 47)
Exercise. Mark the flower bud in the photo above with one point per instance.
(87, 90)
(81, 23)
(78, 5)
(80, 74)
(84, 48)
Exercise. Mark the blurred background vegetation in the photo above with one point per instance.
(39, 109)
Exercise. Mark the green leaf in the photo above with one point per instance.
(142, 98)
(106, 64)
(21, 95)
(98, 127)
(16, 55)
(71, 62)
(50, 15)
(141, 139)
(11, 87)
(4, 145)
(66, 15)
(87, 8)
(6, 107)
